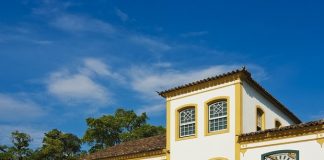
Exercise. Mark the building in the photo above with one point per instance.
(226, 117)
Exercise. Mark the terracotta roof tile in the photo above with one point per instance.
(243, 69)
(291, 127)
(132, 147)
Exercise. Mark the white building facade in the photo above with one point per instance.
(231, 117)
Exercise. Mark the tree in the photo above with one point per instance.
(124, 125)
(19, 150)
(20, 143)
(59, 145)
(4, 152)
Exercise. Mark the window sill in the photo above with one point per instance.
(217, 132)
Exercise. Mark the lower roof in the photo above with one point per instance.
(143, 145)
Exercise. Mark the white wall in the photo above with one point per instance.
(203, 147)
(251, 98)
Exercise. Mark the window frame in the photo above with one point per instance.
(263, 125)
(206, 108)
(263, 156)
(177, 122)
(277, 121)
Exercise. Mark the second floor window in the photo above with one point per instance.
(217, 116)
(260, 120)
(187, 122)
(277, 124)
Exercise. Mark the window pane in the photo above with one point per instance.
(187, 122)
(217, 116)
(187, 115)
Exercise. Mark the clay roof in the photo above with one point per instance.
(248, 78)
(286, 128)
(132, 147)
(163, 93)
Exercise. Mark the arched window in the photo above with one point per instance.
(260, 119)
(281, 154)
(186, 121)
(216, 116)
(278, 124)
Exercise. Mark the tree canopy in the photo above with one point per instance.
(102, 132)
(59, 145)
(123, 125)
(20, 147)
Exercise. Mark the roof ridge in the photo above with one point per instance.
(242, 69)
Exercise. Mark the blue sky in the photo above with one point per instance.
(64, 61)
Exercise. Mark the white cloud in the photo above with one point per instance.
(19, 109)
(77, 23)
(122, 15)
(152, 45)
(35, 133)
(82, 85)
(100, 68)
(76, 88)
(193, 34)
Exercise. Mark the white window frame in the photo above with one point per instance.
(193, 122)
(219, 117)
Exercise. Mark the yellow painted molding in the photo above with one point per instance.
(177, 127)
(243, 151)
(320, 139)
(206, 115)
(238, 118)
(321, 142)
(168, 127)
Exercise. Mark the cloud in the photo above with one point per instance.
(100, 68)
(77, 23)
(152, 45)
(36, 134)
(122, 15)
(13, 108)
(81, 86)
(193, 34)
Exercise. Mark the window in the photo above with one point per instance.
(187, 122)
(277, 124)
(282, 154)
(217, 116)
(260, 121)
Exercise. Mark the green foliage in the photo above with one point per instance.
(4, 152)
(19, 150)
(59, 145)
(124, 125)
